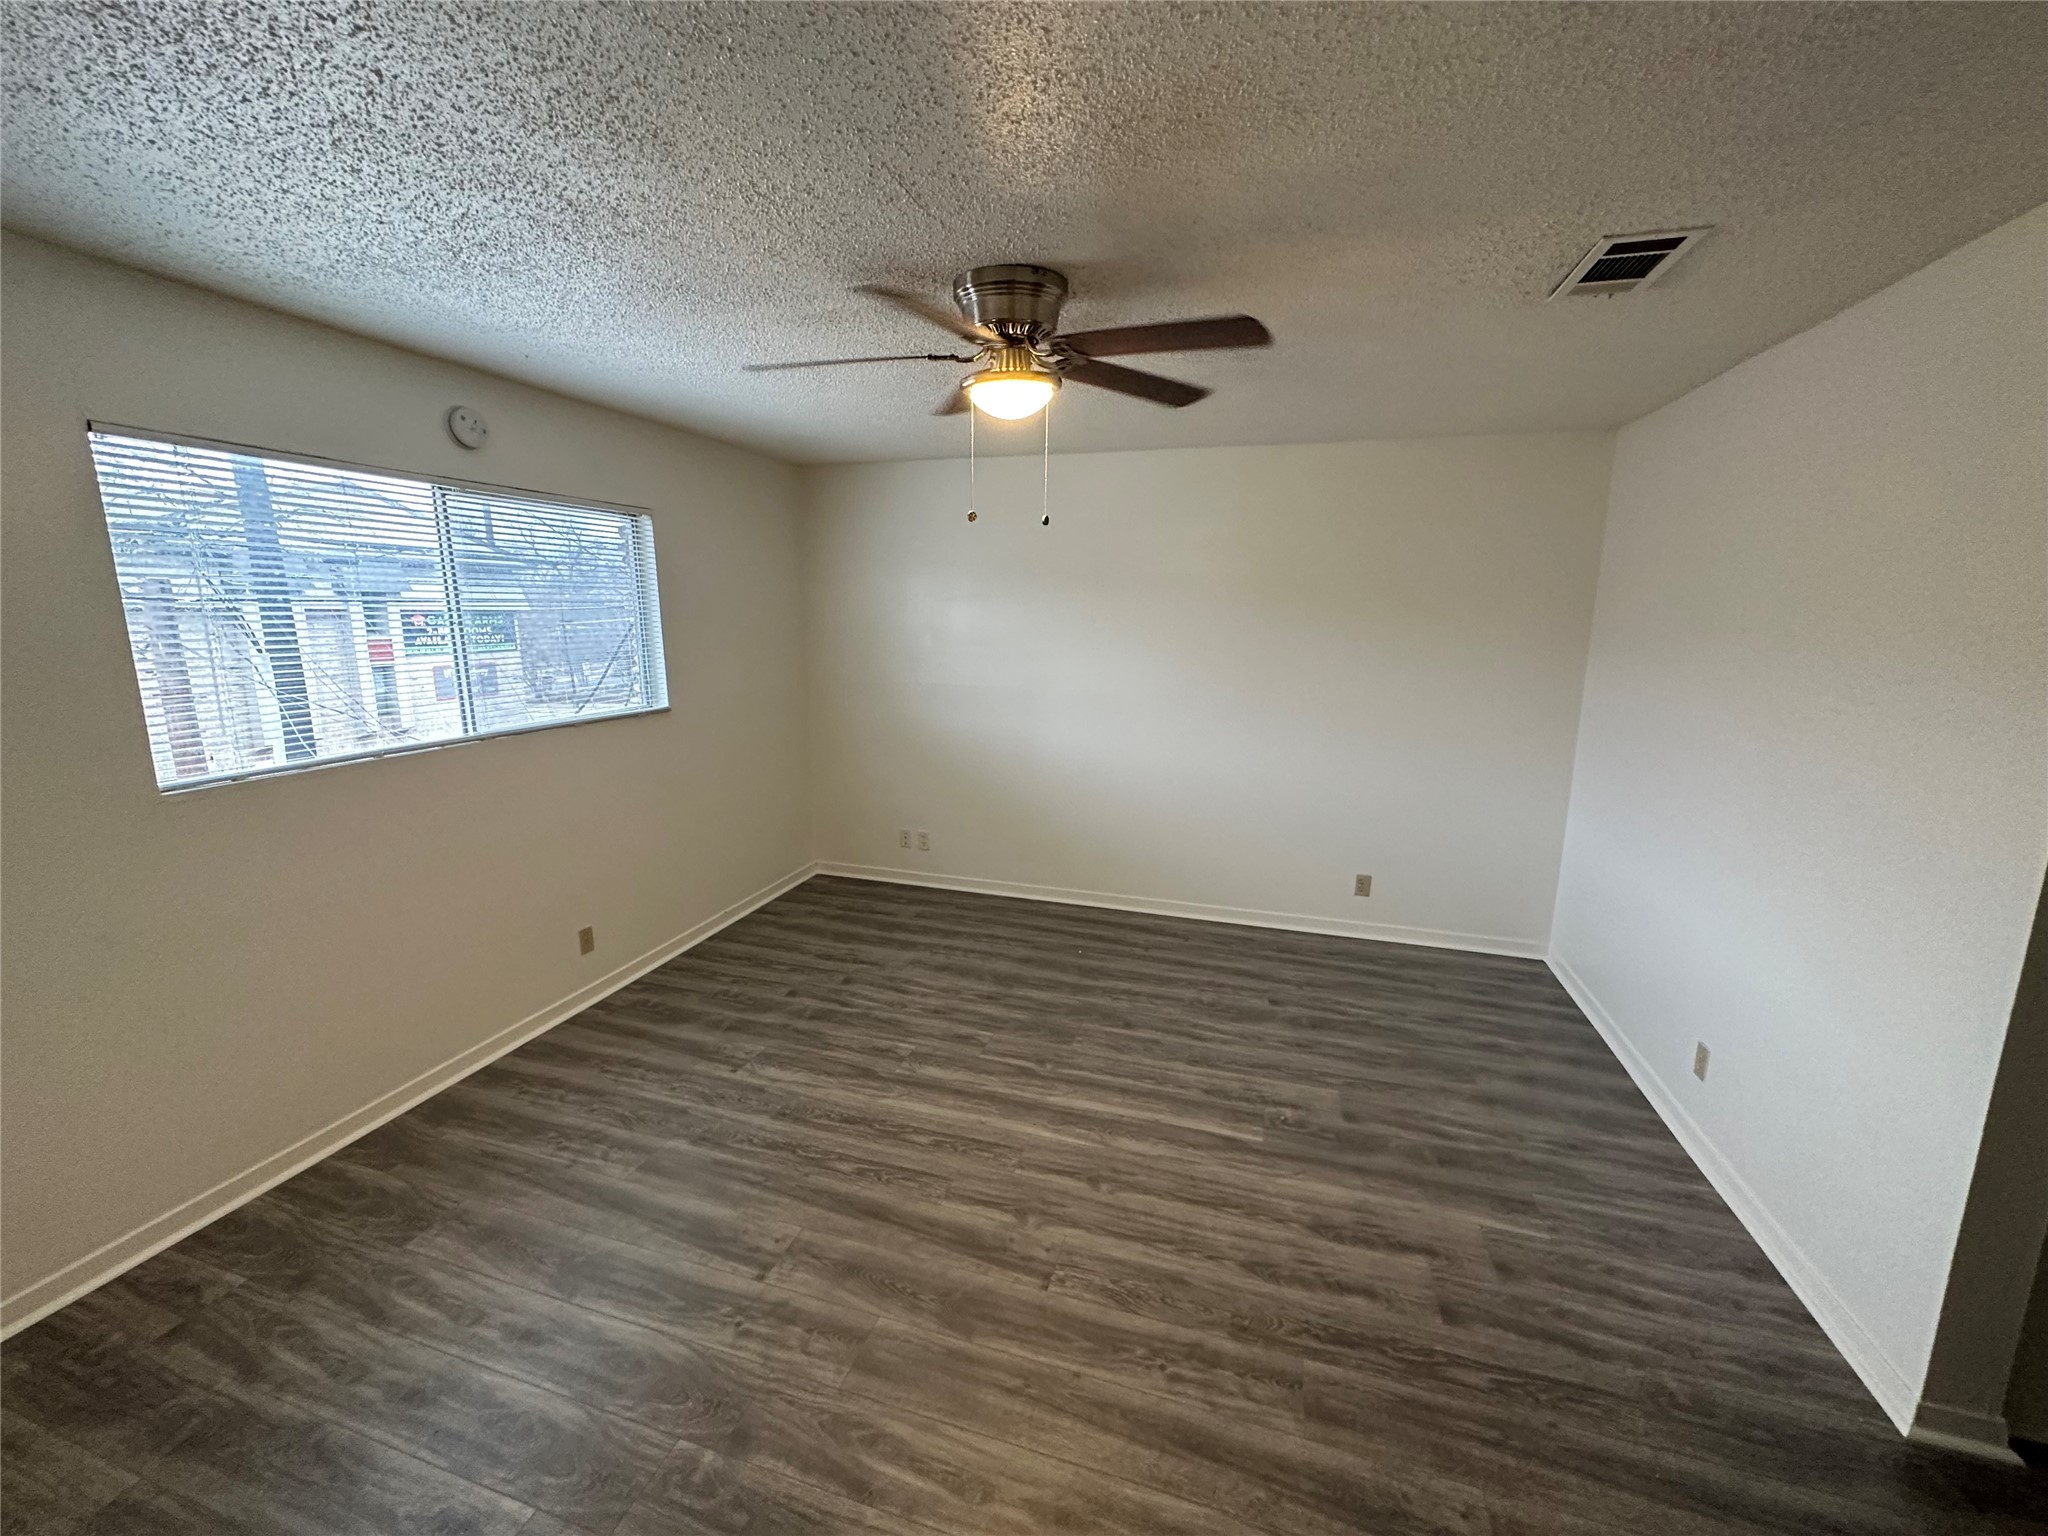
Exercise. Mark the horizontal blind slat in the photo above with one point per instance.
(283, 614)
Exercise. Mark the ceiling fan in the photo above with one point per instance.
(1010, 316)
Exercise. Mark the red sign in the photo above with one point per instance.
(380, 650)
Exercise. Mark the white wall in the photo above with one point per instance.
(194, 983)
(1810, 809)
(1229, 677)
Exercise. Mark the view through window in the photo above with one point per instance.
(284, 613)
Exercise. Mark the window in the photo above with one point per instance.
(284, 613)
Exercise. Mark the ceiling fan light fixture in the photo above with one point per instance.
(1017, 385)
(1009, 316)
(1012, 396)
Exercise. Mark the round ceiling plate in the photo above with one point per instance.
(1011, 299)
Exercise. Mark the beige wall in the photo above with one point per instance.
(1227, 678)
(193, 983)
(1810, 810)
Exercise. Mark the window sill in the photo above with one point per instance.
(183, 787)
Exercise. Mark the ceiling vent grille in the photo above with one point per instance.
(1624, 263)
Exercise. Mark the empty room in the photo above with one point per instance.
(975, 769)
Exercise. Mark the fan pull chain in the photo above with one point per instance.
(1045, 471)
(971, 513)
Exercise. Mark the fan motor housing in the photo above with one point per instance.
(1013, 301)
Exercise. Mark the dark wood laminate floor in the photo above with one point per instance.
(893, 1210)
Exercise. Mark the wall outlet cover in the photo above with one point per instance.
(1699, 1061)
(1362, 885)
(586, 940)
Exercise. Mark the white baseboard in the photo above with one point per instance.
(1983, 1435)
(45, 1296)
(1246, 917)
(1894, 1392)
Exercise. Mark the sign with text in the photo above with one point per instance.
(426, 631)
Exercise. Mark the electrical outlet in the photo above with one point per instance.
(924, 842)
(903, 838)
(1699, 1061)
(586, 940)
(1361, 885)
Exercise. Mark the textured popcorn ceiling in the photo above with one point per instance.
(626, 202)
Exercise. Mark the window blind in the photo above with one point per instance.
(283, 614)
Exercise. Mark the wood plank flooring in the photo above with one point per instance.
(896, 1210)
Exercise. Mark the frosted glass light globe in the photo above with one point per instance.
(1012, 395)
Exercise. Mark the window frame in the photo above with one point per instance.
(654, 643)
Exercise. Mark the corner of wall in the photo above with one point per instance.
(1571, 797)
(1998, 1246)
(1894, 1390)
(807, 502)
(1698, 490)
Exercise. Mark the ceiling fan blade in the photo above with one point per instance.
(1171, 336)
(954, 403)
(838, 362)
(1129, 381)
(931, 314)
